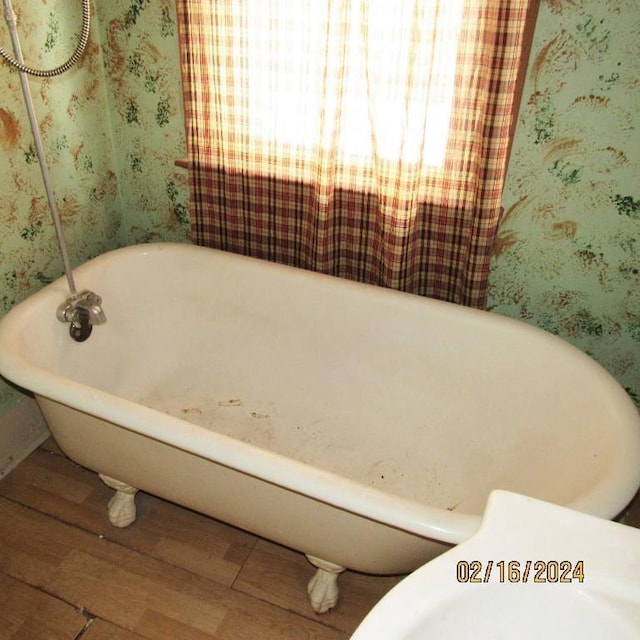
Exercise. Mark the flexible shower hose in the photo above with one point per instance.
(48, 73)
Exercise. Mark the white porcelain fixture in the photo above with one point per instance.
(533, 570)
(362, 426)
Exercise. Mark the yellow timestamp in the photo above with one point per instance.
(515, 571)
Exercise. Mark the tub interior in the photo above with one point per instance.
(375, 386)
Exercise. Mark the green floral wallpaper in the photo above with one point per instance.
(142, 76)
(568, 254)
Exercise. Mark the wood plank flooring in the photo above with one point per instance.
(66, 573)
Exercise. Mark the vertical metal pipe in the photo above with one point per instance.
(37, 138)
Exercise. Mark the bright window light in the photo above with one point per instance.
(366, 76)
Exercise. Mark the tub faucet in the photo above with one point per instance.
(83, 310)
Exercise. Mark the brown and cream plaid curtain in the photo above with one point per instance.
(361, 138)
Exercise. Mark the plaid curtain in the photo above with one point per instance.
(342, 137)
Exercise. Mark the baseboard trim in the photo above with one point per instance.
(22, 430)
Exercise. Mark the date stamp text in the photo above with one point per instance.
(515, 571)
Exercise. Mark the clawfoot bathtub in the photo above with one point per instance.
(361, 426)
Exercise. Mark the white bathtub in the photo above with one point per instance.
(361, 426)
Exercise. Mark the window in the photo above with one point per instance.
(364, 138)
(386, 70)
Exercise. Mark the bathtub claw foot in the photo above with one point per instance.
(323, 587)
(122, 506)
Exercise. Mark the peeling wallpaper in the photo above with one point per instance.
(567, 257)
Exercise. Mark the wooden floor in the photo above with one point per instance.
(66, 573)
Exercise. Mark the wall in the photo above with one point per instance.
(73, 113)
(567, 257)
(142, 69)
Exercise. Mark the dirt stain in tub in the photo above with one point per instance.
(236, 402)
(233, 402)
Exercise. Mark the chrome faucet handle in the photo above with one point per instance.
(82, 310)
(92, 302)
